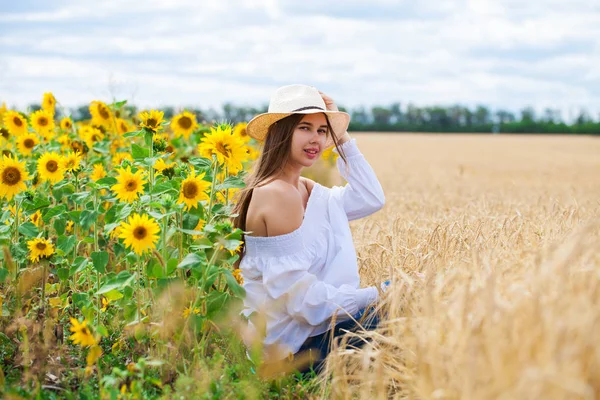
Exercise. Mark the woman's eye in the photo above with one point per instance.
(322, 131)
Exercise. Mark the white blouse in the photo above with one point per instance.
(299, 280)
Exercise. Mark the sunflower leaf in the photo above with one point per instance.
(53, 212)
(231, 182)
(100, 260)
(106, 181)
(132, 134)
(28, 229)
(138, 152)
(234, 286)
(66, 243)
(192, 260)
(200, 162)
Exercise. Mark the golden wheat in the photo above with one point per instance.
(493, 246)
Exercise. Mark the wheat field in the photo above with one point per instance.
(493, 246)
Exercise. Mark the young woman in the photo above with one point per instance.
(299, 264)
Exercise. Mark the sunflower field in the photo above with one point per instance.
(117, 276)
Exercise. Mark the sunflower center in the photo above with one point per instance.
(95, 138)
(131, 185)
(85, 331)
(140, 232)
(103, 112)
(123, 127)
(70, 163)
(41, 246)
(43, 121)
(52, 166)
(67, 125)
(4, 133)
(11, 176)
(190, 190)
(17, 121)
(185, 122)
(28, 143)
(222, 149)
(152, 122)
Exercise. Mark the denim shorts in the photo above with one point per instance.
(319, 346)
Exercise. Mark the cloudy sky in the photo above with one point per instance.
(500, 53)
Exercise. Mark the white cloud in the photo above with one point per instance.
(504, 53)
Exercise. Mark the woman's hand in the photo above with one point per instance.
(329, 103)
(331, 106)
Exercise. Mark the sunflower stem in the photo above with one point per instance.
(96, 249)
(139, 277)
(226, 190)
(151, 167)
(17, 209)
(164, 242)
(212, 189)
(43, 300)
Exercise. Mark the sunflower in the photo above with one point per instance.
(79, 146)
(117, 143)
(26, 143)
(50, 167)
(237, 274)
(36, 218)
(101, 114)
(91, 135)
(119, 157)
(199, 227)
(252, 153)
(49, 102)
(129, 185)
(98, 173)
(12, 177)
(239, 130)
(15, 123)
(39, 247)
(229, 149)
(329, 155)
(5, 134)
(66, 124)
(69, 227)
(42, 121)
(190, 310)
(160, 165)
(139, 233)
(151, 120)
(81, 333)
(184, 124)
(72, 161)
(193, 189)
(122, 126)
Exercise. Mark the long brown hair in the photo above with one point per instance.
(273, 158)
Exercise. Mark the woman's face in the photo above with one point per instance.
(309, 139)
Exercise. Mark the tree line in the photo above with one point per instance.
(411, 118)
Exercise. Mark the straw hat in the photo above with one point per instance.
(296, 99)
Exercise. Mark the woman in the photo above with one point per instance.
(299, 264)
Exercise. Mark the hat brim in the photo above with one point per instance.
(258, 127)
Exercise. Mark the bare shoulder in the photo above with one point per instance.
(309, 183)
(280, 205)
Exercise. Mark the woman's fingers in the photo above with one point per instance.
(329, 103)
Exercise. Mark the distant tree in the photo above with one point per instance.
(504, 117)
(396, 111)
(482, 115)
(528, 115)
(169, 112)
(381, 115)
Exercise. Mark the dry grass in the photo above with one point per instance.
(493, 246)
